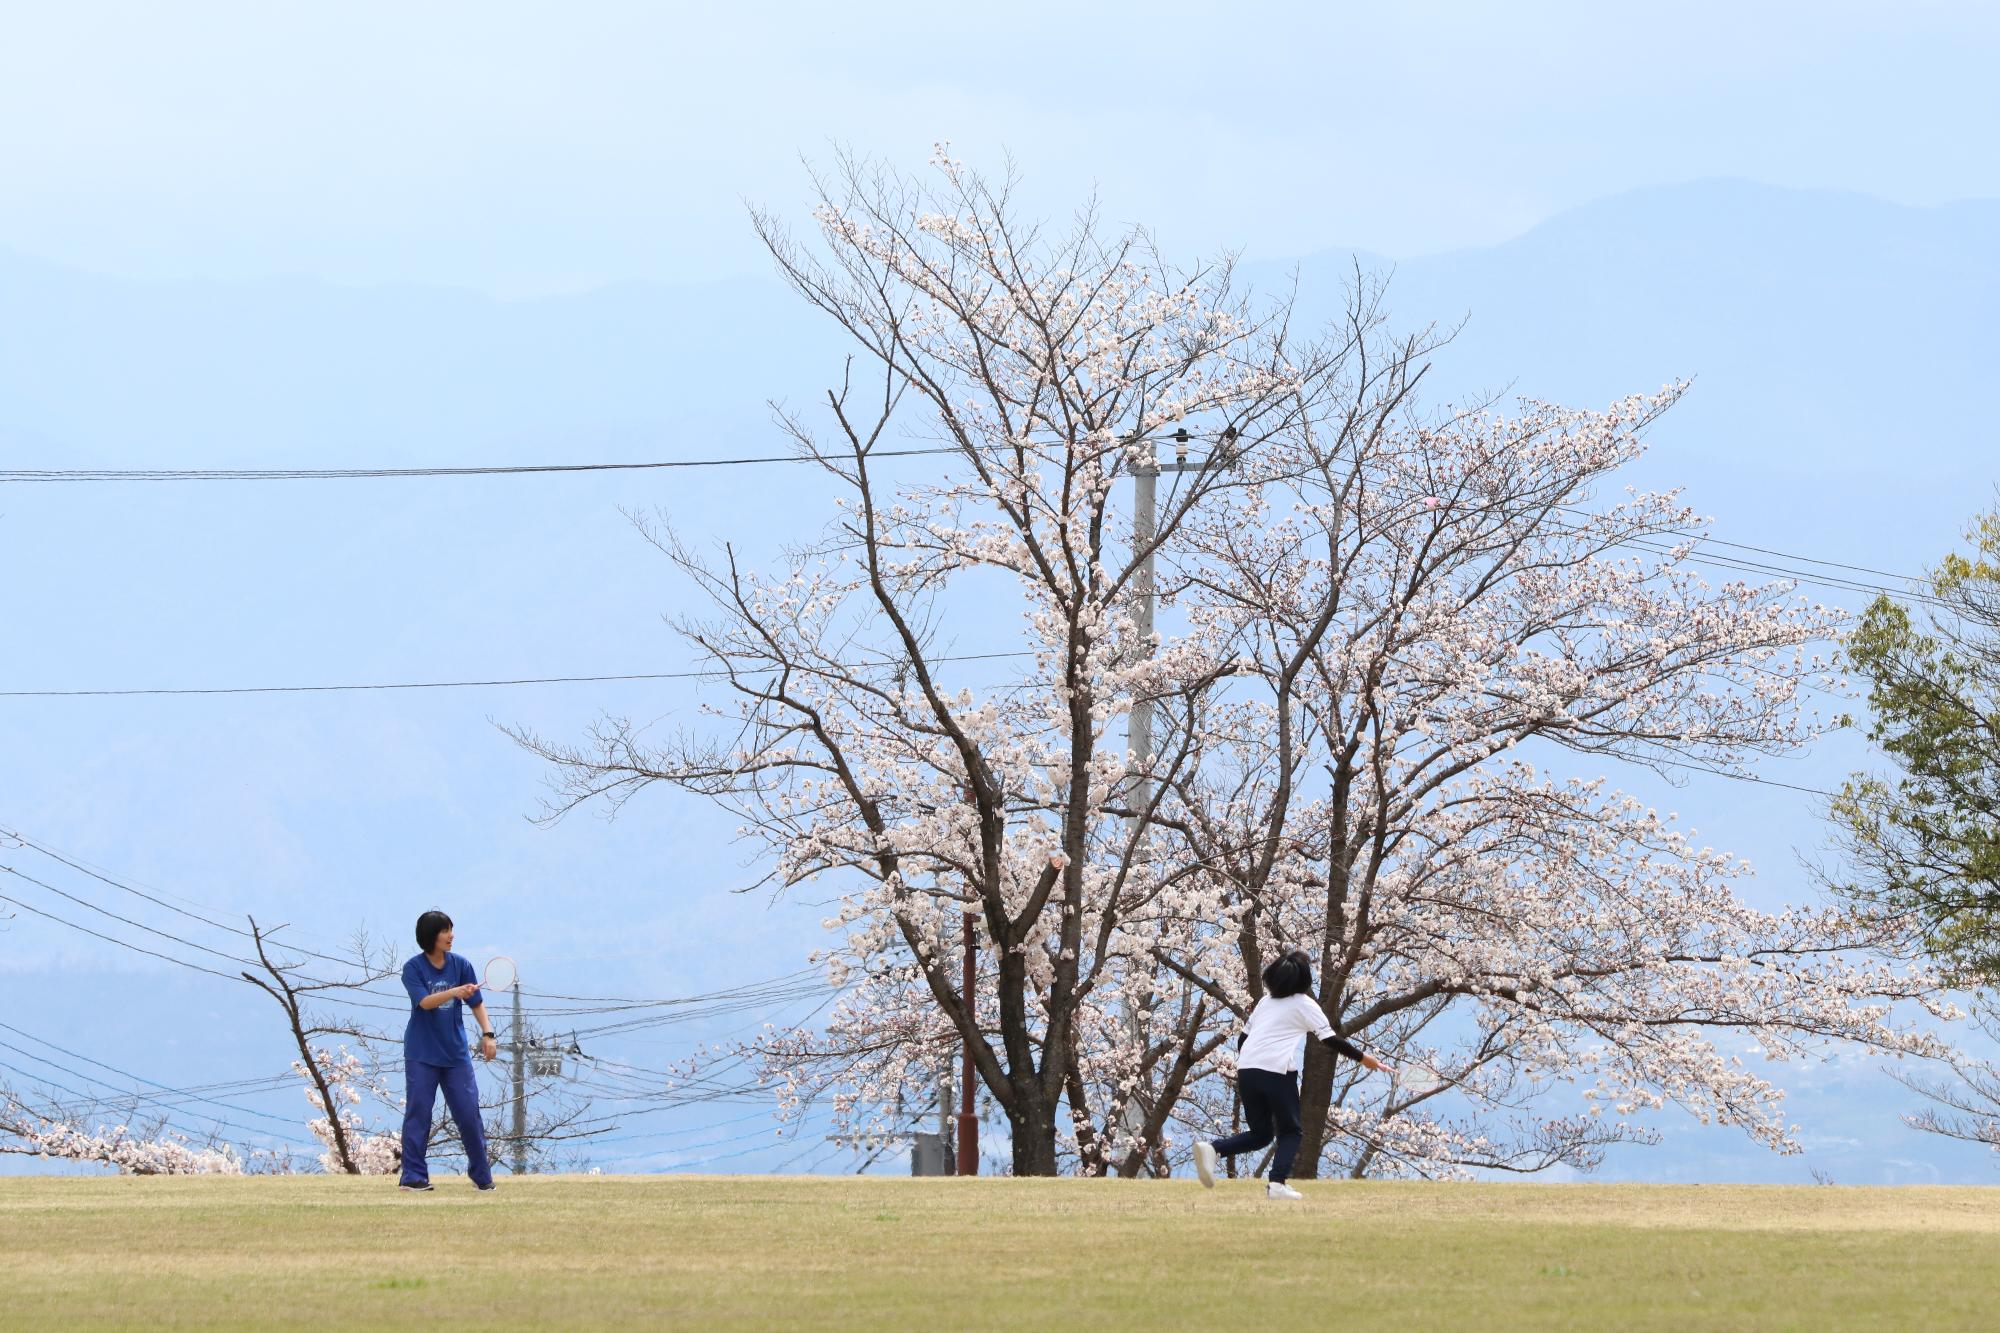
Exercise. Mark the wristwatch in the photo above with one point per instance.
(487, 1035)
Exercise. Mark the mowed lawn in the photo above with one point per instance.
(759, 1252)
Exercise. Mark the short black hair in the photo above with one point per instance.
(429, 926)
(1290, 975)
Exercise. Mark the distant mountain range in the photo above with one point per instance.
(1824, 326)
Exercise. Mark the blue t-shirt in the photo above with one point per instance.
(437, 1036)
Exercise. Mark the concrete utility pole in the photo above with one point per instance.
(944, 1107)
(1145, 494)
(520, 1088)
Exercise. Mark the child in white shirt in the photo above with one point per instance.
(1267, 1063)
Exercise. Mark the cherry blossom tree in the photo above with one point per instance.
(1442, 621)
(866, 748)
(1396, 636)
(339, 1084)
(333, 1089)
(136, 1151)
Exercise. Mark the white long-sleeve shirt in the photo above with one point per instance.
(1271, 1037)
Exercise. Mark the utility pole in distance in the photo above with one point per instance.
(968, 1123)
(520, 1088)
(944, 1112)
(1145, 494)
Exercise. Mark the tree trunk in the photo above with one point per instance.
(1315, 1101)
(1033, 1125)
(1088, 1146)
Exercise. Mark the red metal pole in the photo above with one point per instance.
(968, 1123)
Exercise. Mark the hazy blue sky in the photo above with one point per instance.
(519, 150)
(522, 147)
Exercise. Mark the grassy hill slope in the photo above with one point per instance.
(753, 1252)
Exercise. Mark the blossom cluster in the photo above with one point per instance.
(119, 1146)
(374, 1152)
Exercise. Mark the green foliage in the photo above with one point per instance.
(1924, 843)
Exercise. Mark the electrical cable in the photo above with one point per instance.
(62, 1050)
(324, 474)
(771, 988)
(124, 1096)
(384, 473)
(426, 684)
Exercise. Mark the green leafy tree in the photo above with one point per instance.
(1923, 846)
(1924, 843)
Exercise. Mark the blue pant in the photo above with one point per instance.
(461, 1094)
(1271, 1105)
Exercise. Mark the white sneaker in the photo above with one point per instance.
(1278, 1189)
(1204, 1163)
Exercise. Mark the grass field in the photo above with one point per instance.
(756, 1252)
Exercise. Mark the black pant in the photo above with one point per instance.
(1270, 1102)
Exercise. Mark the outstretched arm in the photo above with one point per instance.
(437, 998)
(1340, 1045)
(422, 997)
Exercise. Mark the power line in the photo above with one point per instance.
(84, 1099)
(103, 877)
(1705, 538)
(792, 985)
(327, 689)
(1814, 560)
(693, 1008)
(804, 1152)
(1654, 543)
(246, 1087)
(621, 1001)
(111, 939)
(382, 473)
(438, 684)
(330, 996)
(1635, 541)
(169, 935)
(766, 997)
(724, 1002)
(476, 470)
(789, 986)
(729, 1003)
(587, 1004)
(376, 473)
(687, 1130)
(1650, 546)
(182, 1092)
(1763, 569)
(811, 1143)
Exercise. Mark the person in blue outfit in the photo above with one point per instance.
(442, 986)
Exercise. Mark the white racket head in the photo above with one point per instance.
(501, 973)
